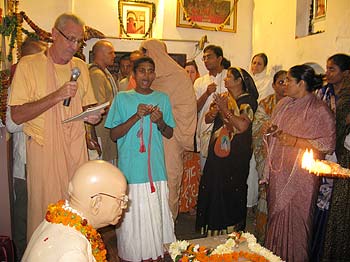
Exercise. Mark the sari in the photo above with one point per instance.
(222, 199)
(337, 240)
(292, 190)
(261, 117)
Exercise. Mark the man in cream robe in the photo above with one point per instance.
(40, 85)
(105, 88)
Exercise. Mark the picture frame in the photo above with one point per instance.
(207, 15)
(136, 18)
(319, 8)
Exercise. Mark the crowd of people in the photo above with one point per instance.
(248, 130)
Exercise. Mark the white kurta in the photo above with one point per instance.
(200, 87)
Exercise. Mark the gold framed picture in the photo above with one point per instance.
(219, 15)
(136, 18)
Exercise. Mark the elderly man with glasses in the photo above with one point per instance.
(97, 198)
(40, 86)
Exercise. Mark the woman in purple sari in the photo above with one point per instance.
(303, 122)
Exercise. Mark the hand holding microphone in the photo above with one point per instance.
(74, 76)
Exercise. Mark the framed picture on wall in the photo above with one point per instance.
(208, 15)
(136, 18)
(319, 7)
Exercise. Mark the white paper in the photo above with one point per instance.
(87, 112)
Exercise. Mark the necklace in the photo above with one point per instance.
(62, 213)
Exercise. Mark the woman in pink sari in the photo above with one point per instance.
(303, 122)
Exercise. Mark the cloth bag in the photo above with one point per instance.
(222, 145)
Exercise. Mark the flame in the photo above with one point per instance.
(308, 160)
(314, 166)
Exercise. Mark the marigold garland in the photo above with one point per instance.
(57, 214)
(183, 251)
(195, 25)
(193, 253)
(19, 34)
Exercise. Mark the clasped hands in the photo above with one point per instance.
(219, 105)
(153, 110)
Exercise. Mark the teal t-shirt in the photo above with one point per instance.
(131, 161)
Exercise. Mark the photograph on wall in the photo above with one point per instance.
(319, 8)
(220, 15)
(136, 18)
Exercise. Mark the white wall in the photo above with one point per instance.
(274, 25)
(43, 13)
(103, 15)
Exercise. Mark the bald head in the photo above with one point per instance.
(103, 53)
(94, 177)
(98, 190)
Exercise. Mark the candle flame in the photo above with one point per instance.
(314, 166)
(308, 160)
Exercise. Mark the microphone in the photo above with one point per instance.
(73, 77)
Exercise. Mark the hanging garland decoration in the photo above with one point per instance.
(41, 34)
(12, 26)
(121, 19)
(8, 28)
(195, 25)
(19, 34)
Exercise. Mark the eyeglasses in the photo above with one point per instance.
(123, 199)
(73, 40)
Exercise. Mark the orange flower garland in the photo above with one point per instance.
(184, 251)
(203, 254)
(57, 214)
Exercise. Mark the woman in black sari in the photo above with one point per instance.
(337, 232)
(222, 195)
